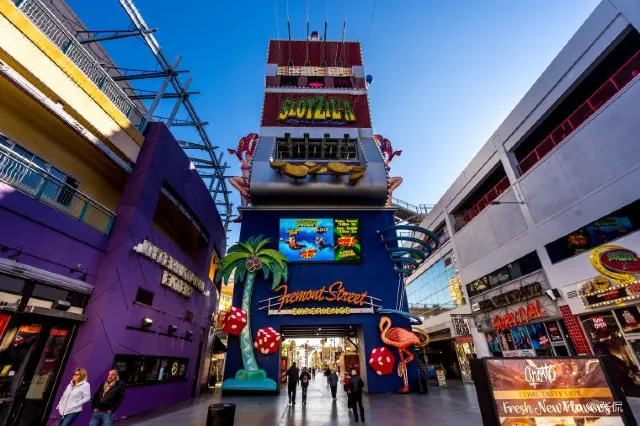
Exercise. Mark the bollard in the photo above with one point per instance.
(221, 414)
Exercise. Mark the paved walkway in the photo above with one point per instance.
(455, 405)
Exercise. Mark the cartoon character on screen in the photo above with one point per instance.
(386, 149)
(244, 152)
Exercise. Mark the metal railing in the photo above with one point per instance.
(419, 209)
(613, 85)
(55, 31)
(30, 178)
(490, 196)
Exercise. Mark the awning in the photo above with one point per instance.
(218, 347)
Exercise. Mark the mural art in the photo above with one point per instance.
(244, 152)
(246, 259)
(386, 149)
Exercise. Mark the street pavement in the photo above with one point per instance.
(454, 405)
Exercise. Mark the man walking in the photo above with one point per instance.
(356, 386)
(293, 377)
(313, 373)
(107, 400)
(305, 378)
(333, 383)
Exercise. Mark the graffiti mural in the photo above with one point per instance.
(244, 152)
(386, 149)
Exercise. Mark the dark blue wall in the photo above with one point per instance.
(375, 275)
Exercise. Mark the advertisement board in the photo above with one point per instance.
(551, 391)
(320, 240)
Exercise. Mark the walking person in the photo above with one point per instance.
(305, 378)
(327, 372)
(107, 400)
(333, 383)
(77, 393)
(313, 373)
(293, 377)
(356, 386)
(345, 386)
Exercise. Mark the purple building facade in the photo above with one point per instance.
(106, 289)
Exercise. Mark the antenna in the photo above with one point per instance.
(289, 30)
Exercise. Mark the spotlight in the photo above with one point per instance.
(188, 334)
(146, 322)
(172, 329)
(60, 305)
(15, 256)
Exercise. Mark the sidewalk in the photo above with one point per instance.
(454, 405)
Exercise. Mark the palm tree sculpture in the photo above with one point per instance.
(247, 259)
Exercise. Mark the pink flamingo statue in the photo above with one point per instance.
(400, 339)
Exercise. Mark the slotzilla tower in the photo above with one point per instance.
(316, 183)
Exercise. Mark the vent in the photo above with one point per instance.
(572, 294)
(448, 262)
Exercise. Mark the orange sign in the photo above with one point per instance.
(522, 315)
(30, 329)
(335, 293)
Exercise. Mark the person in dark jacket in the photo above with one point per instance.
(107, 400)
(293, 377)
(305, 379)
(356, 386)
(333, 383)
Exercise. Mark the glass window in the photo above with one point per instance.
(499, 277)
(150, 370)
(608, 228)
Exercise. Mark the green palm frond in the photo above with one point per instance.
(275, 255)
(267, 267)
(248, 247)
(261, 242)
(229, 263)
(241, 272)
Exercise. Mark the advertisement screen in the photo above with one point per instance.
(552, 391)
(320, 240)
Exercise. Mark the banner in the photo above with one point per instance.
(552, 391)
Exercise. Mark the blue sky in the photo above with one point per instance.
(446, 73)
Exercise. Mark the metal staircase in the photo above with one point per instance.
(410, 213)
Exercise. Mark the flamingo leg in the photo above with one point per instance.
(402, 368)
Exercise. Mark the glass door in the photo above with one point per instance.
(17, 349)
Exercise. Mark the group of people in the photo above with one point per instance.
(104, 402)
(353, 386)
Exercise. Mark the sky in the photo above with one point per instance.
(446, 73)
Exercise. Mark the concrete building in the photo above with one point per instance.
(556, 180)
(108, 236)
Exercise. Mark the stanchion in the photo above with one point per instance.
(221, 414)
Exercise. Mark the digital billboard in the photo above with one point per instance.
(320, 240)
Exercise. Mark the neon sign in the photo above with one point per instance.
(522, 315)
(335, 293)
(317, 110)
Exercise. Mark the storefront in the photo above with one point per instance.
(612, 321)
(465, 350)
(38, 322)
(518, 319)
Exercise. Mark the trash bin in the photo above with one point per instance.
(221, 414)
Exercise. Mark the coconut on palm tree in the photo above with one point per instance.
(246, 259)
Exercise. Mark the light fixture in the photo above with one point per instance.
(146, 322)
(172, 329)
(15, 256)
(188, 334)
(60, 305)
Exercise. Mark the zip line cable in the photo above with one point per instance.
(371, 19)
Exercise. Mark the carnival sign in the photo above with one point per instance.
(617, 263)
(522, 315)
(511, 297)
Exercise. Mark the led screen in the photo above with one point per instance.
(320, 240)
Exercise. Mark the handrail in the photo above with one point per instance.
(419, 209)
(484, 202)
(28, 177)
(55, 31)
(613, 85)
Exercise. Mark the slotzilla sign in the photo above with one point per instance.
(176, 276)
(316, 109)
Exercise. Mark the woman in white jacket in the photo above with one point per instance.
(74, 397)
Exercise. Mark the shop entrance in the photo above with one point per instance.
(338, 347)
(33, 351)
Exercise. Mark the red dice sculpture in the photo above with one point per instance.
(234, 321)
(382, 361)
(267, 341)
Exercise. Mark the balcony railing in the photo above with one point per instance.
(490, 196)
(55, 31)
(30, 178)
(613, 85)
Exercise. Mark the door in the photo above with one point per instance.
(32, 355)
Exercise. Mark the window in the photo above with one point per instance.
(150, 370)
(608, 228)
(144, 296)
(31, 175)
(45, 292)
(288, 148)
(514, 270)
(289, 81)
(342, 83)
(442, 233)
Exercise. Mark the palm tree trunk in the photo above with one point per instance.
(246, 344)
